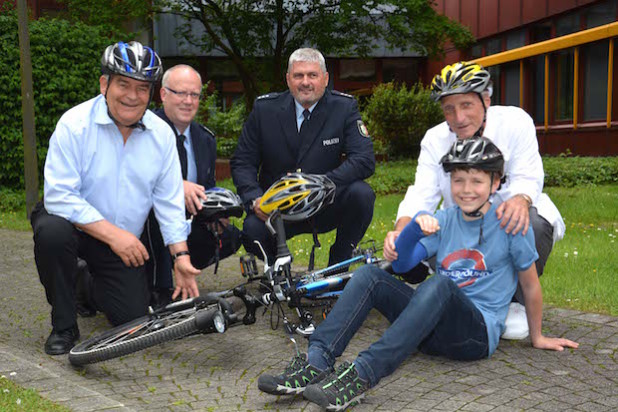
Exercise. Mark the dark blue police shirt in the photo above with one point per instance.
(336, 143)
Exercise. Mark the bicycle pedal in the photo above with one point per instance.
(248, 266)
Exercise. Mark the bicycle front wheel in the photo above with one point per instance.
(140, 333)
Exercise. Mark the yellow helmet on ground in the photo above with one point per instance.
(460, 78)
(298, 196)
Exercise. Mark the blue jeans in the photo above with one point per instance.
(437, 318)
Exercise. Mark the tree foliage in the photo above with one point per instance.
(267, 31)
(65, 70)
(111, 16)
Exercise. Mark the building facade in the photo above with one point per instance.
(553, 58)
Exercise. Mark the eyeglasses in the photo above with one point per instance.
(183, 95)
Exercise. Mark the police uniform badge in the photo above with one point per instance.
(362, 129)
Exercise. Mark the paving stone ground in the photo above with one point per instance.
(218, 372)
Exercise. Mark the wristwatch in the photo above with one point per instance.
(179, 254)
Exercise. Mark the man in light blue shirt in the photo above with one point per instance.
(109, 162)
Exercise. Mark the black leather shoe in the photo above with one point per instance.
(61, 342)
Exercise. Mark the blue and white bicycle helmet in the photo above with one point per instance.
(132, 60)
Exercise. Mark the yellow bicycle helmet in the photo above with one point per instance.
(298, 196)
(459, 78)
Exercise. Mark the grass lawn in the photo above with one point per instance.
(581, 270)
(14, 398)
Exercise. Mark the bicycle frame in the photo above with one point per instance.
(324, 284)
(212, 312)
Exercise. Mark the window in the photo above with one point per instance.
(594, 57)
(515, 39)
(493, 46)
(400, 70)
(563, 85)
(494, 72)
(600, 14)
(357, 69)
(511, 84)
(221, 69)
(539, 33)
(476, 52)
(563, 70)
(567, 25)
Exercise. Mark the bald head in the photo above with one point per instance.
(182, 86)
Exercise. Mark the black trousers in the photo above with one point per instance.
(119, 291)
(544, 242)
(202, 246)
(350, 214)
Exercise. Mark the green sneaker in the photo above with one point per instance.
(339, 390)
(298, 374)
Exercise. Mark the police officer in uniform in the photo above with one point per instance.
(312, 130)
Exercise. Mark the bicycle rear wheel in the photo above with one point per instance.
(141, 333)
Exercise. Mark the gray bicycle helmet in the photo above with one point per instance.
(459, 78)
(298, 196)
(477, 153)
(132, 60)
(220, 202)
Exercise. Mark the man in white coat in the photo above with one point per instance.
(464, 92)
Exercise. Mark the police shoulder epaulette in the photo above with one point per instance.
(267, 96)
(208, 130)
(337, 93)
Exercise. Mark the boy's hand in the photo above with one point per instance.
(429, 224)
(557, 344)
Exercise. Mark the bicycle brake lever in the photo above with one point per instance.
(266, 263)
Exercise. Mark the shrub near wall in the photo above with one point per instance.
(398, 117)
(226, 125)
(573, 171)
(65, 71)
(395, 176)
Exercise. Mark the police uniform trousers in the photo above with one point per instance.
(350, 214)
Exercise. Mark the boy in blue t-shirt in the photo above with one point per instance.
(459, 313)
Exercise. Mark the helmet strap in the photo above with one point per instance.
(316, 244)
(479, 132)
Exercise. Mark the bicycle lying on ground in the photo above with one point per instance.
(213, 312)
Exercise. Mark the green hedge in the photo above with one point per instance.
(395, 177)
(65, 71)
(579, 171)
